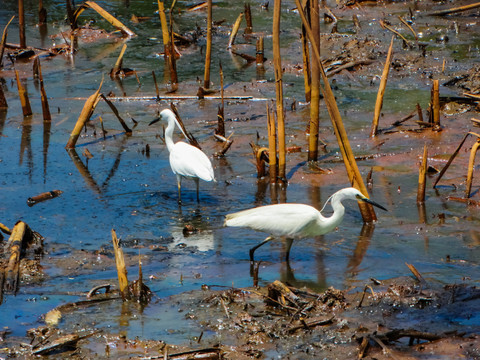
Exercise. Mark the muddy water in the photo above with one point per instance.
(135, 194)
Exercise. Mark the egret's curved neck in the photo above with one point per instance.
(330, 223)
(169, 134)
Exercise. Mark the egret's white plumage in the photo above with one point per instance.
(186, 160)
(295, 220)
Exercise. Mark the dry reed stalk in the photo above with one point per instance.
(3, 100)
(248, 20)
(456, 9)
(260, 58)
(272, 145)
(367, 211)
(171, 57)
(21, 24)
(315, 89)
(4, 41)
(436, 103)
(163, 22)
(381, 91)
(416, 273)
(5, 229)
(128, 131)
(454, 155)
(43, 196)
(234, 32)
(471, 164)
(422, 177)
(306, 66)
(220, 130)
(260, 159)
(277, 62)
(107, 16)
(385, 26)
(85, 115)
(118, 64)
(27, 110)
(45, 108)
(71, 14)
(419, 112)
(121, 268)
(16, 244)
(208, 52)
(409, 27)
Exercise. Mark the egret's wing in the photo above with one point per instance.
(279, 219)
(187, 160)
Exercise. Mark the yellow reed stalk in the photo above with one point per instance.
(277, 62)
(471, 163)
(436, 103)
(110, 18)
(306, 67)
(121, 268)
(45, 108)
(409, 27)
(85, 115)
(456, 9)
(163, 22)
(4, 40)
(234, 32)
(315, 89)
(118, 64)
(422, 177)
(15, 244)
(27, 110)
(381, 91)
(208, 52)
(367, 211)
(272, 146)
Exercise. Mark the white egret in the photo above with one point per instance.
(186, 160)
(295, 220)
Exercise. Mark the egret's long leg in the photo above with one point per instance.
(252, 250)
(289, 246)
(179, 185)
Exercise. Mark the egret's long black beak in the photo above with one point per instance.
(374, 203)
(155, 120)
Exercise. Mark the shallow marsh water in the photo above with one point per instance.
(123, 188)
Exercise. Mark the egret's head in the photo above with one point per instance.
(356, 194)
(165, 115)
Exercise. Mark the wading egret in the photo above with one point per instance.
(186, 160)
(295, 221)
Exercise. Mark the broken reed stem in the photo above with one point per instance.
(436, 103)
(306, 66)
(455, 9)
(208, 52)
(367, 211)
(277, 61)
(220, 130)
(315, 89)
(15, 245)
(128, 131)
(110, 18)
(471, 164)
(45, 108)
(121, 268)
(85, 115)
(118, 64)
(165, 34)
(248, 20)
(172, 60)
(454, 155)
(234, 32)
(4, 41)
(27, 110)
(381, 91)
(422, 177)
(272, 145)
(260, 58)
(21, 24)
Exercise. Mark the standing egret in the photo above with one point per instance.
(295, 220)
(186, 160)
